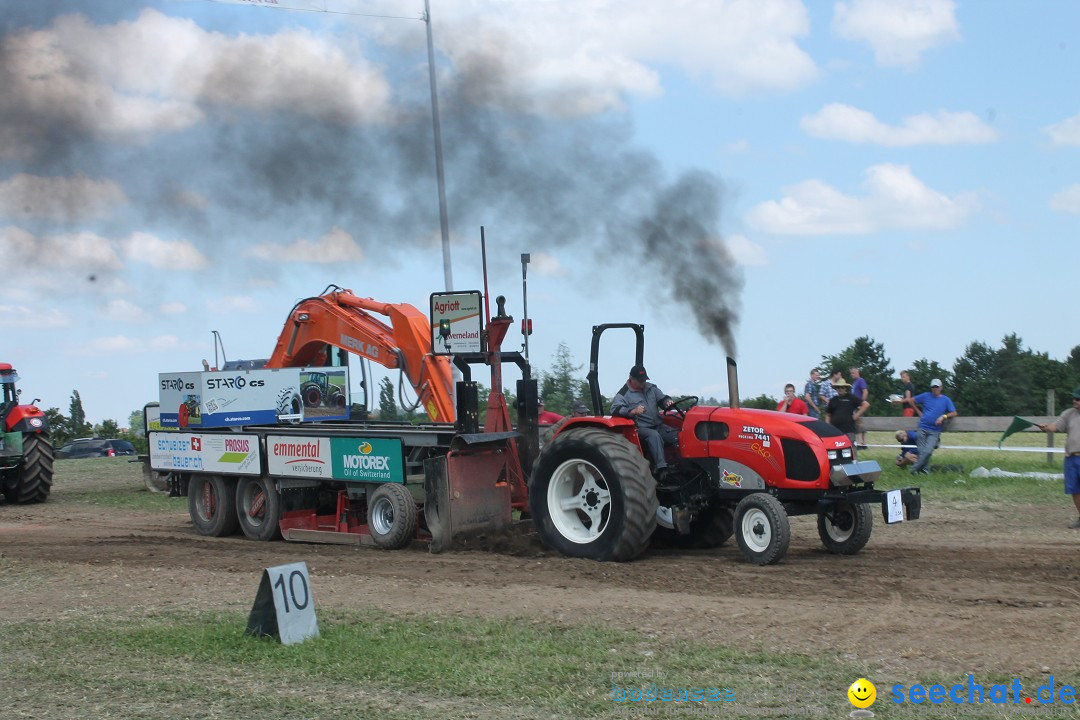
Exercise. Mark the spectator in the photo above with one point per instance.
(790, 403)
(907, 396)
(641, 401)
(842, 411)
(811, 391)
(909, 450)
(827, 392)
(1069, 423)
(936, 408)
(578, 409)
(860, 393)
(546, 417)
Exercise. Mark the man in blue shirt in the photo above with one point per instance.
(909, 450)
(936, 409)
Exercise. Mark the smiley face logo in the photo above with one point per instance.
(862, 693)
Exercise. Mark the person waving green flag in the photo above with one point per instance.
(1017, 425)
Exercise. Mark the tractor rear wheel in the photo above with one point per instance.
(762, 528)
(312, 396)
(212, 505)
(258, 508)
(846, 529)
(592, 496)
(35, 471)
(392, 516)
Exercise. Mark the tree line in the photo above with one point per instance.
(65, 428)
(1010, 379)
(998, 381)
(1007, 380)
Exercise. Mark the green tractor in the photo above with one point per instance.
(26, 453)
(318, 390)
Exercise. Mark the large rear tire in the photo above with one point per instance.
(258, 508)
(392, 516)
(35, 471)
(212, 505)
(762, 528)
(592, 496)
(846, 529)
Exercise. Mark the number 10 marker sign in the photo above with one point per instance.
(283, 605)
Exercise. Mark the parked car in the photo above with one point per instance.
(95, 447)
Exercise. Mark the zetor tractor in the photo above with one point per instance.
(26, 453)
(735, 471)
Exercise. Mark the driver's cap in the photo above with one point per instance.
(638, 373)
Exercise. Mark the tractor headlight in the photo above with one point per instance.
(833, 455)
(846, 452)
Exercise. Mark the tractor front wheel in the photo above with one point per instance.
(592, 496)
(846, 528)
(392, 516)
(35, 472)
(762, 528)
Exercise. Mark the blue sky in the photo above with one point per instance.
(768, 178)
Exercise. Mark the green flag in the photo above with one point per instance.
(1017, 425)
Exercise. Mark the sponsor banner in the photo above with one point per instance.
(292, 456)
(368, 459)
(456, 323)
(253, 397)
(180, 399)
(227, 453)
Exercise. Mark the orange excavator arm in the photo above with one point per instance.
(342, 319)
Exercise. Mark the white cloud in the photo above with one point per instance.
(119, 310)
(1066, 132)
(125, 345)
(111, 345)
(234, 303)
(895, 199)
(746, 252)
(167, 255)
(157, 74)
(837, 121)
(84, 251)
(1068, 200)
(546, 264)
(899, 31)
(20, 316)
(172, 308)
(739, 147)
(58, 198)
(335, 246)
(572, 58)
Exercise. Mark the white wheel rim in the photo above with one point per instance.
(756, 530)
(382, 516)
(834, 532)
(579, 501)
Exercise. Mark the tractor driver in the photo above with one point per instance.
(641, 401)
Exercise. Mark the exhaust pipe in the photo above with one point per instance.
(733, 383)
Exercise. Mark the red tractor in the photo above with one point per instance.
(26, 453)
(736, 471)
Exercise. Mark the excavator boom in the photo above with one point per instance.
(341, 319)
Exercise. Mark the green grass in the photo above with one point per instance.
(370, 664)
(107, 482)
(957, 484)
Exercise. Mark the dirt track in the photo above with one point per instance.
(963, 589)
